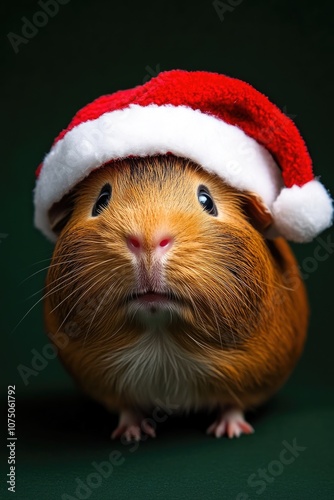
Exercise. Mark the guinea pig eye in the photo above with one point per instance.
(205, 199)
(102, 200)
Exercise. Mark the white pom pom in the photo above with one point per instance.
(301, 213)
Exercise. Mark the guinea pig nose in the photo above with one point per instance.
(159, 244)
(165, 242)
(134, 244)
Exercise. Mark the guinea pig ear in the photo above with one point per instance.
(60, 213)
(258, 214)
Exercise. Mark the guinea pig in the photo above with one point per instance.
(168, 291)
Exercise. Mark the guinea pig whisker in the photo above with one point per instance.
(101, 284)
(32, 275)
(39, 262)
(211, 312)
(84, 256)
(105, 313)
(53, 290)
(231, 290)
(103, 298)
(200, 344)
(196, 310)
(227, 285)
(239, 294)
(199, 316)
(79, 299)
(83, 294)
(81, 286)
(273, 284)
(50, 258)
(64, 278)
(243, 283)
(63, 262)
(30, 309)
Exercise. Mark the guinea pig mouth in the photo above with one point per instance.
(151, 296)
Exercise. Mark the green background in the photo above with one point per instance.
(285, 49)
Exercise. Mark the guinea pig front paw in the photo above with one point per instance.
(230, 422)
(132, 426)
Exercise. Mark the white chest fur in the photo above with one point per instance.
(155, 370)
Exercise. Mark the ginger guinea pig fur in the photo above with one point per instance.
(168, 291)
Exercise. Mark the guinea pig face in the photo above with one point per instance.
(157, 241)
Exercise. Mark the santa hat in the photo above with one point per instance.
(221, 123)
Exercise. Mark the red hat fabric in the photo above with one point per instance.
(221, 123)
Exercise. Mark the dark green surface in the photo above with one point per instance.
(285, 49)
